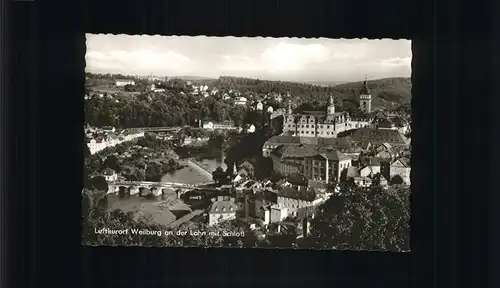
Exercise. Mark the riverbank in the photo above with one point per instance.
(200, 166)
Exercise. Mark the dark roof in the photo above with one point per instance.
(289, 140)
(283, 139)
(374, 161)
(299, 151)
(302, 194)
(312, 113)
(379, 136)
(278, 151)
(302, 151)
(223, 207)
(108, 171)
(334, 155)
(404, 161)
(249, 184)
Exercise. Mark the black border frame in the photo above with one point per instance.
(45, 63)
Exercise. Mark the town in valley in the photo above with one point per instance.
(234, 161)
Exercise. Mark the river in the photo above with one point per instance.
(193, 173)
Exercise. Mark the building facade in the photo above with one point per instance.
(326, 166)
(401, 167)
(321, 124)
(314, 163)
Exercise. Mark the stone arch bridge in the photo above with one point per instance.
(143, 188)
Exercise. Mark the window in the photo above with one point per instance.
(307, 132)
(307, 126)
(327, 126)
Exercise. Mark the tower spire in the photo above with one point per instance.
(364, 89)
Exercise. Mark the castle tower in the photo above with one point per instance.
(365, 99)
(330, 110)
(289, 110)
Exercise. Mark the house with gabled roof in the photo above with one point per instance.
(221, 211)
(401, 167)
(110, 175)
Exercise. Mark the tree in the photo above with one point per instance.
(361, 219)
(247, 167)
(397, 180)
(99, 183)
(111, 162)
(220, 176)
(297, 179)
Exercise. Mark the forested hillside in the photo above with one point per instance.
(384, 91)
(137, 106)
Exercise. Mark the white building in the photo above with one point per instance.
(99, 144)
(241, 101)
(218, 126)
(321, 124)
(110, 175)
(251, 129)
(401, 167)
(259, 106)
(124, 82)
(222, 211)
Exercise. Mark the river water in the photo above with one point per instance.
(193, 173)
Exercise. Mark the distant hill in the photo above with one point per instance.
(193, 78)
(323, 83)
(384, 91)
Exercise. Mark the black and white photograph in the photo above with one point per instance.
(239, 142)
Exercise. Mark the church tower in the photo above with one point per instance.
(289, 110)
(330, 110)
(365, 99)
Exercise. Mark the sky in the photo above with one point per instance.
(285, 59)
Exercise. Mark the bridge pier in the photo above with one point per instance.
(133, 190)
(156, 191)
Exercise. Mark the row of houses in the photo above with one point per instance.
(267, 205)
(324, 163)
(226, 125)
(100, 141)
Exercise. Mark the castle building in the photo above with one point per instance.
(365, 99)
(319, 123)
(314, 163)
